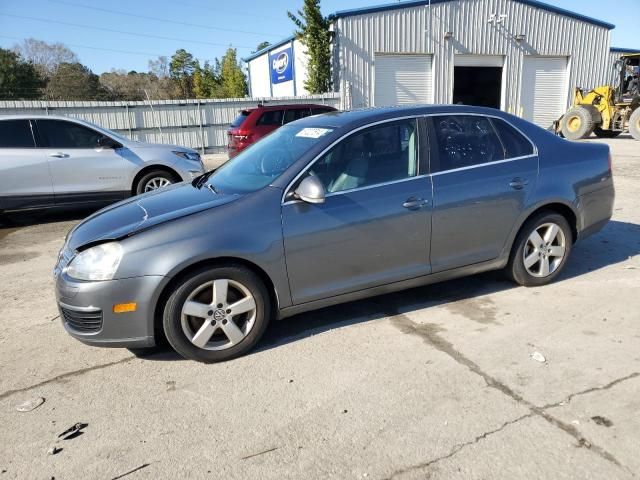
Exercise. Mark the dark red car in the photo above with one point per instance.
(254, 123)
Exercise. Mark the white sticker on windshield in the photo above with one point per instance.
(313, 132)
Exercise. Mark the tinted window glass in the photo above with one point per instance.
(272, 117)
(319, 110)
(296, 114)
(464, 141)
(515, 145)
(61, 134)
(375, 155)
(16, 134)
(239, 119)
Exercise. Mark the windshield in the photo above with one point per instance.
(264, 161)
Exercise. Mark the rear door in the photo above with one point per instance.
(481, 182)
(25, 180)
(267, 122)
(292, 114)
(80, 169)
(374, 225)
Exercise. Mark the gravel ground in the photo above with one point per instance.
(435, 382)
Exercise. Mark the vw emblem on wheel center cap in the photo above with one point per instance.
(219, 315)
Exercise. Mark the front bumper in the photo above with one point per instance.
(86, 310)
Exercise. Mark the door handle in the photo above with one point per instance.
(59, 155)
(414, 203)
(518, 183)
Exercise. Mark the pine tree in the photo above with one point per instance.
(313, 32)
(232, 79)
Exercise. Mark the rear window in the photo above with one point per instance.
(240, 118)
(515, 144)
(271, 117)
(16, 134)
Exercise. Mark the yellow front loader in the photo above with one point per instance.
(606, 111)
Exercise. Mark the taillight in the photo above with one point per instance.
(242, 135)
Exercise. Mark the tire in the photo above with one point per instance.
(208, 331)
(600, 133)
(634, 124)
(535, 275)
(577, 123)
(153, 180)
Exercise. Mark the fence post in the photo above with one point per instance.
(201, 129)
(128, 120)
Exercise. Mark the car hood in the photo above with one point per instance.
(144, 211)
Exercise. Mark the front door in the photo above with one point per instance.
(483, 171)
(374, 225)
(80, 169)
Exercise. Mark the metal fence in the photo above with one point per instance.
(200, 124)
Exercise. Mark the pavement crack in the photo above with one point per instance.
(64, 376)
(456, 448)
(430, 334)
(591, 390)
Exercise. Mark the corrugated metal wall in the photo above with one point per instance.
(191, 123)
(422, 30)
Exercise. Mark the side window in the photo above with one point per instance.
(319, 110)
(61, 134)
(464, 141)
(515, 144)
(376, 155)
(271, 118)
(296, 114)
(16, 134)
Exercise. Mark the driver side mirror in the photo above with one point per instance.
(108, 142)
(310, 190)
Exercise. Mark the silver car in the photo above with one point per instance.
(325, 210)
(50, 161)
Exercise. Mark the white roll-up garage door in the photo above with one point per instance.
(544, 89)
(402, 79)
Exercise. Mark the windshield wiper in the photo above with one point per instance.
(212, 188)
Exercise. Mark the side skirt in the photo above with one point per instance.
(496, 264)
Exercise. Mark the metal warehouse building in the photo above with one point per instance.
(522, 56)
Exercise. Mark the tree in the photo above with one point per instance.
(18, 79)
(74, 81)
(45, 56)
(181, 70)
(159, 67)
(313, 32)
(261, 46)
(130, 86)
(233, 82)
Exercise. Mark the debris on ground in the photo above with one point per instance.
(30, 404)
(144, 465)
(599, 420)
(74, 431)
(260, 453)
(538, 357)
(54, 450)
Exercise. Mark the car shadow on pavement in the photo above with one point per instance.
(616, 243)
(40, 217)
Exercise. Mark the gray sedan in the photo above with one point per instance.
(330, 209)
(52, 161)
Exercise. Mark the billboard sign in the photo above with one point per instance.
(281, 65)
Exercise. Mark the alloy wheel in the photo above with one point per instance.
(218, 314)
(545, 250)
(156, 183)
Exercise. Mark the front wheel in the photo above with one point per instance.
(153, 181)
(217, 314)
(540, 250)
(634, 124)
(577, 123)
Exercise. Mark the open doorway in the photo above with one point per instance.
(479, 86)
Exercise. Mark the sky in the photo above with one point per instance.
(126, 34)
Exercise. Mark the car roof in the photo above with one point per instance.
(26, 116)
(289, 106)
(353, 118)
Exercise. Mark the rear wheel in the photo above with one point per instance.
(217, 314)
(634, 124)
(600, 133)
(577, 123)
(541, 250)
(154, 180)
